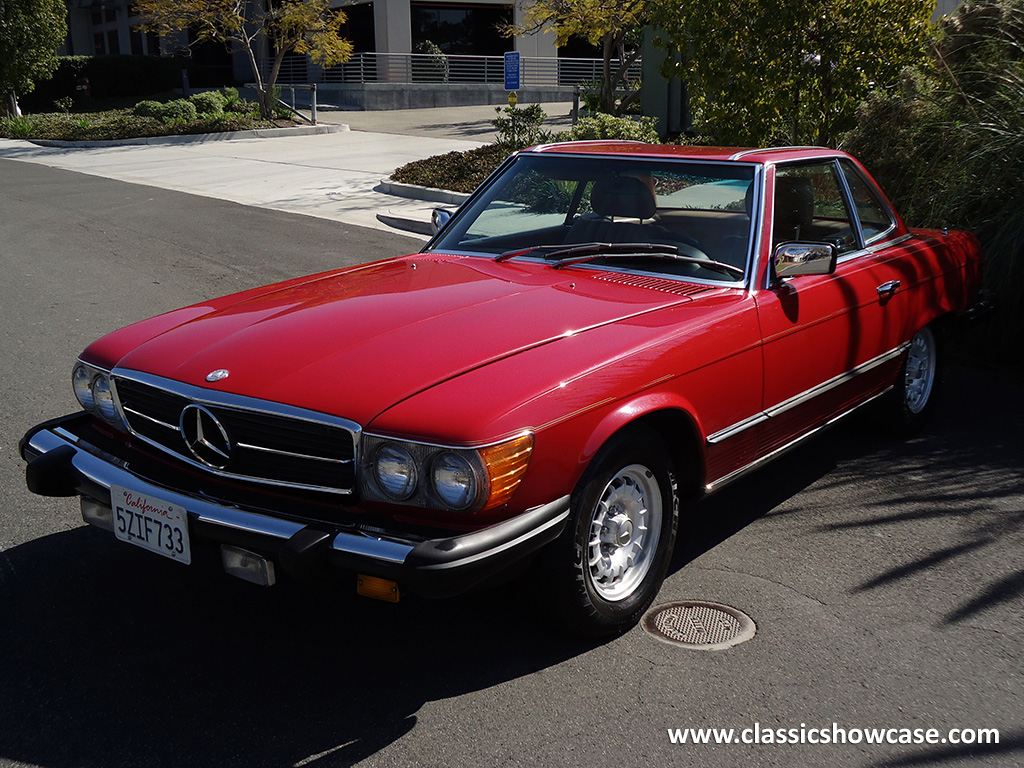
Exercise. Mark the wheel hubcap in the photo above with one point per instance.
(920, 375)
(624, 532)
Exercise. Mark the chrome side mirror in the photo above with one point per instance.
(438, 218)
(793, 259)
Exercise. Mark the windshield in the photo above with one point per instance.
(543, 206)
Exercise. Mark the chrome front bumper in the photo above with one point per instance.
(60, 463)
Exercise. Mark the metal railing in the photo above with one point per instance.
(441, 69)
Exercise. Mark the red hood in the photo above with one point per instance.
(358, 341)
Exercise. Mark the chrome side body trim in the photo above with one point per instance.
(721, 482)
(803, 397)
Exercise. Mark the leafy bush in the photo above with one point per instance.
(465, 171)
(431, 66)
(208, 102)
(243, 107)
(520, 127)
(179, 110)
(17, 127)
(602, 126)
(948, 146)
(119, 124)
(148, 108)
(231, 96)
(457, 171)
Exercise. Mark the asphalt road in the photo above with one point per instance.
(886, 579)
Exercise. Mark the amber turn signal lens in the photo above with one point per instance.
(378, 589)
(505, 464)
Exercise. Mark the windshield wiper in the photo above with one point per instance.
(593, 251)
(589, 250)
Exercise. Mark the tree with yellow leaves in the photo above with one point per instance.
(287, 26)
(605, 23)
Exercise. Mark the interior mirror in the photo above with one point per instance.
(793, 259)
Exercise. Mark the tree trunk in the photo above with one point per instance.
(261, 87)
(11, 107)
(607, 89)
(267, 101)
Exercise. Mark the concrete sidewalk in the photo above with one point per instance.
(333, 176)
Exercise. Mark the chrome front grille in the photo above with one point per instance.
(266, 443)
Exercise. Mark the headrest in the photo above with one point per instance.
(625, 197)
(794, 203)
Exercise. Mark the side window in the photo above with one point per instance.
(809, 207)
(874, 219)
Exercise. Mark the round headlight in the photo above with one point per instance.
(81, 380)
(104, 398)
(396, 471)
(453, 480)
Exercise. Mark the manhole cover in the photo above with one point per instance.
(699, 626)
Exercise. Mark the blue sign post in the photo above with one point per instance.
(512, 71)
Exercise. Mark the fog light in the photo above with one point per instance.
(97, 514)
(378, 589)
(247, 565)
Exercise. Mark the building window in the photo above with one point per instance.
(462, 28)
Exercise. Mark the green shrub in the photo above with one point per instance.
(241, 107)
(602, 126)
(116, 124)
(431, 66)
(179, 110)
(520, 127)
(457, 171)
(17, 127)
(208, 102)
(231, 96)
(148, 108)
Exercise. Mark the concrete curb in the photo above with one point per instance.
(199, 138)
(416, 192)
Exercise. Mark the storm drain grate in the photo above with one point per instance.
(698, 625)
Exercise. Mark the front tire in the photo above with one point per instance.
(608, 566)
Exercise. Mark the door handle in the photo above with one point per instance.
(886, 290)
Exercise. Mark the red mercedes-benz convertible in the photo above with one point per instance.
(603, 332)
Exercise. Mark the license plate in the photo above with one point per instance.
(151, 523)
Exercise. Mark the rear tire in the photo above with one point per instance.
(912, 399)
(607, 567)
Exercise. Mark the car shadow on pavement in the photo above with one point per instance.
(964, 473)
(113, 657)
